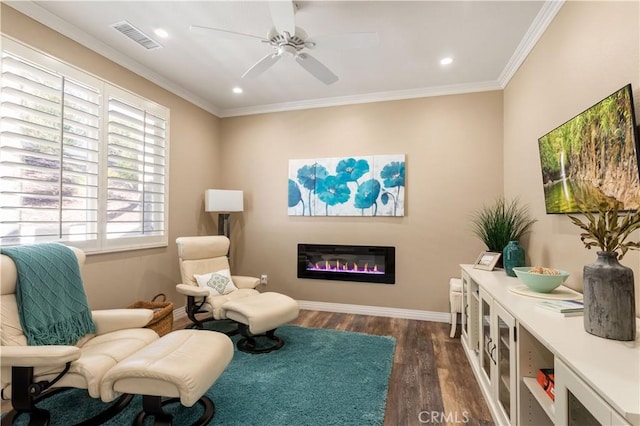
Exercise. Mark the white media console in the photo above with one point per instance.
(508, 339)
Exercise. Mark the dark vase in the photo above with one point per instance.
(609, 299)
(512, 256)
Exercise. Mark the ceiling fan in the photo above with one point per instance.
(288, 40)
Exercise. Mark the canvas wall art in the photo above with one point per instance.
(347, 186)
(593, 158)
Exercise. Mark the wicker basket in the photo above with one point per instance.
(162, 321)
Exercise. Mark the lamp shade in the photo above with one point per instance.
(223, 201)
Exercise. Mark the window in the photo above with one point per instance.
(135, 190)
(81, 161)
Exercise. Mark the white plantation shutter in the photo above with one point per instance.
(48, 155)
(136, 168)
(80, 172)
(81, 161)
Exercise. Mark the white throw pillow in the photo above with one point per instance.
(219, 283)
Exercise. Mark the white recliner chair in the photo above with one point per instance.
(30, 372)
(214, 294)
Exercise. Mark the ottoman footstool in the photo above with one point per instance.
(260, 315)
(181, 365)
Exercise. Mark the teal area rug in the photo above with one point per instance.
(320, 377)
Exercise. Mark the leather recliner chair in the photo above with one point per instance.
(32, 372)
(223, 296)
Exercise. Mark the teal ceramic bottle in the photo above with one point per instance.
(512, 255)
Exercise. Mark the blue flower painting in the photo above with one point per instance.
(352, 186)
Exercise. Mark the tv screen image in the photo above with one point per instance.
(593, 158)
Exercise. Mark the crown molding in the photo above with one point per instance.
(454, 89)
(535, 31)
(539, 25)
(32, 10)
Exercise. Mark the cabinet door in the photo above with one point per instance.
(577, 404)
(465, 308)
(486, 338)
(470, 313)
(472, 299)
(504, 356)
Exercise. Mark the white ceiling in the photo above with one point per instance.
(487, 39)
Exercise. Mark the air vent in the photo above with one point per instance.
(136, 35)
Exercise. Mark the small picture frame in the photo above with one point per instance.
(487, 260)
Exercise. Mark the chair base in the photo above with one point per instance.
(37, 417)
(152, 406)
(248, 341)
(40, 417)
(225, 326)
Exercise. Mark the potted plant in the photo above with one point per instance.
(609, 296)
(500, 226)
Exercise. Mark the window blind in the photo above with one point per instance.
(49, 129)
(81, 161)
(136, 171)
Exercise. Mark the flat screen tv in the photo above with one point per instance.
(593, 158)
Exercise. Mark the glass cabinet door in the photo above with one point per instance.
(505, 359)
(577, 404)
(465, 307)
(578, 414)
(486, 341)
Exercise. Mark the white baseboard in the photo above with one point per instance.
(179, 313)
(377, 311)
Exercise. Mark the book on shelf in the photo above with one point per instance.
(546, 380)
(564, 307)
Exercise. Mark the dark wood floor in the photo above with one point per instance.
(431, 381)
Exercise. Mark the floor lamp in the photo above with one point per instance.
(223, 202)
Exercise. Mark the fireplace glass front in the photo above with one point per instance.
(374, 264)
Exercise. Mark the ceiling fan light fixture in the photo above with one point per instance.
(287, 50)
(288, 40)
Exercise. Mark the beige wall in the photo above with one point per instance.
(589, 51)
(117, 279)
(453, 147)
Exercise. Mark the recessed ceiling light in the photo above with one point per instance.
(446, 61)
(161, 33)
(237, 90)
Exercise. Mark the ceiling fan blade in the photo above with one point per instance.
(316, 68)
(231, 35)
(262, 65)
(283, 16)
(344, 41)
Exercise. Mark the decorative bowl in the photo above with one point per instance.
(540, 283)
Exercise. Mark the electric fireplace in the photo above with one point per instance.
(347, 263)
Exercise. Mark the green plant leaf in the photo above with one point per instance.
(610, 229)
(501, 222)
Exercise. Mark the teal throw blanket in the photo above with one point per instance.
(51, 300)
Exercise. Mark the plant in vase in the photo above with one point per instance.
(500, 226)
(608, 286)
